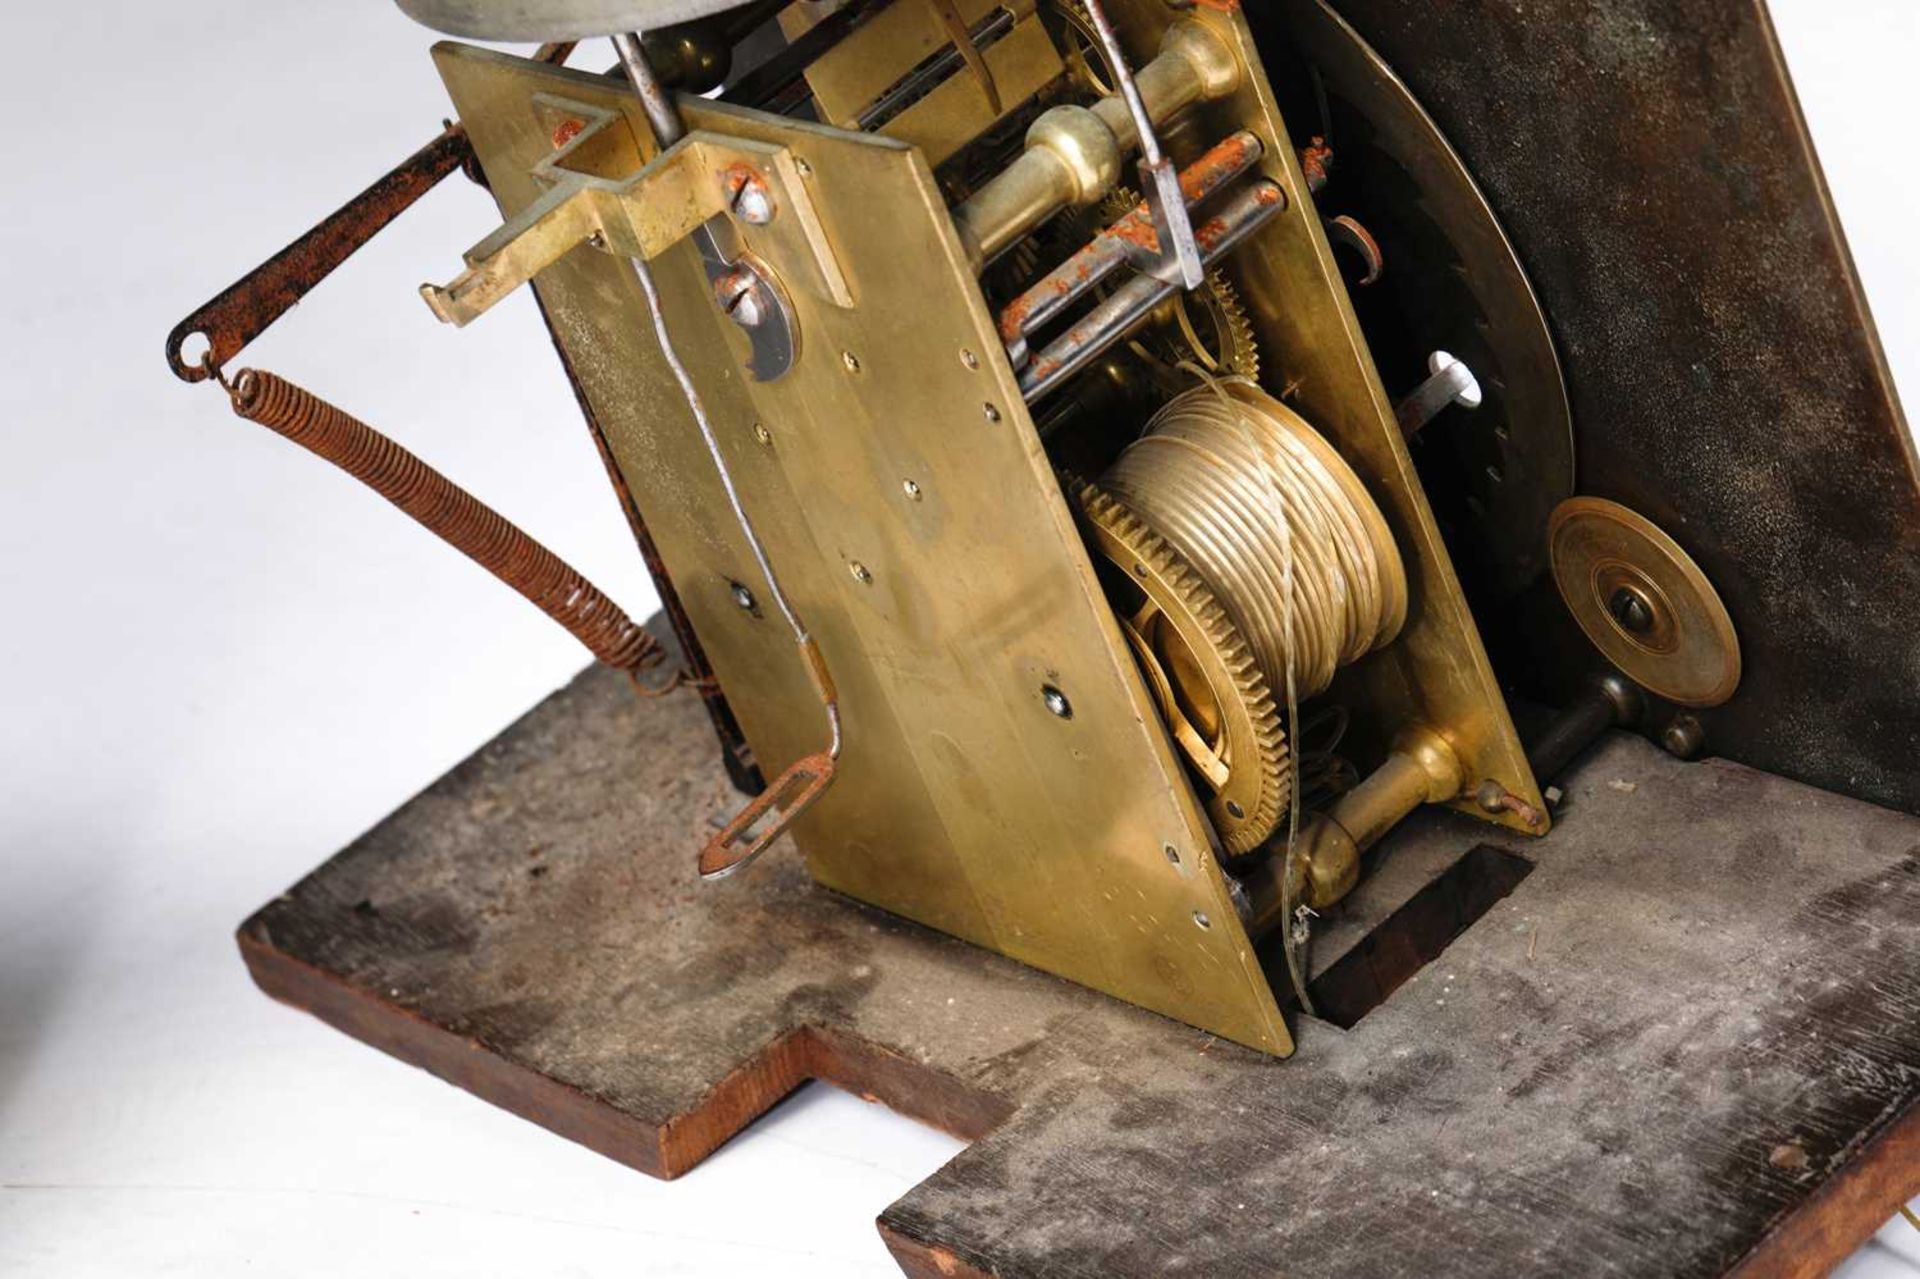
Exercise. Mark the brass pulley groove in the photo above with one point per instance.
(1217, 704)
(1277, 524)
(1265, 566)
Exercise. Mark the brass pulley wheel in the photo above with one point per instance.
(1643, 602)
(1216, 703)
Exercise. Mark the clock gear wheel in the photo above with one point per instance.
(1216, 702)
(1208, 326)
(1211, 328)
(1079, 43)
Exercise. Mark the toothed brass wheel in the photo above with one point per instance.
(1208, 326)
(1080, 48)
(1215, 701)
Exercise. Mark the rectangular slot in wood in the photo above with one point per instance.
(1416, 934)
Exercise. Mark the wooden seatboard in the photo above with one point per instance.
(944, 611)
(1687, 1044)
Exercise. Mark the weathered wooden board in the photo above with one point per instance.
(1690, 1037)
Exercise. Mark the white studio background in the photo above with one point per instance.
(222, 661)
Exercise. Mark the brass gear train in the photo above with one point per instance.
(1079, 43)
(1211, 692)
(1208, 326)
(1216, 701)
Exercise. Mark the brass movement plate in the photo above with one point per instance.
(848, 78)
(1317, 361)
(1643, 602)
(914, 517)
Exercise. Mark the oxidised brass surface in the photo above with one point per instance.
(913, 516)
(1643, 602)
(1317, 361)
(1212, 694)
(849, 78)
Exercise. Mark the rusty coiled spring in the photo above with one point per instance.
(467, 524)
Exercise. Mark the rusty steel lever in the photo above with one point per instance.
(244, 309)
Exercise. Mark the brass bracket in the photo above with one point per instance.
(599, 193)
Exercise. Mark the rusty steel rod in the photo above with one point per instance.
(243, 310)
(240, 312)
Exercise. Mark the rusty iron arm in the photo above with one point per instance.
(242, 311)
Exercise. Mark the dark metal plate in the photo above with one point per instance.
(1451, 282)
(1652, 167)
